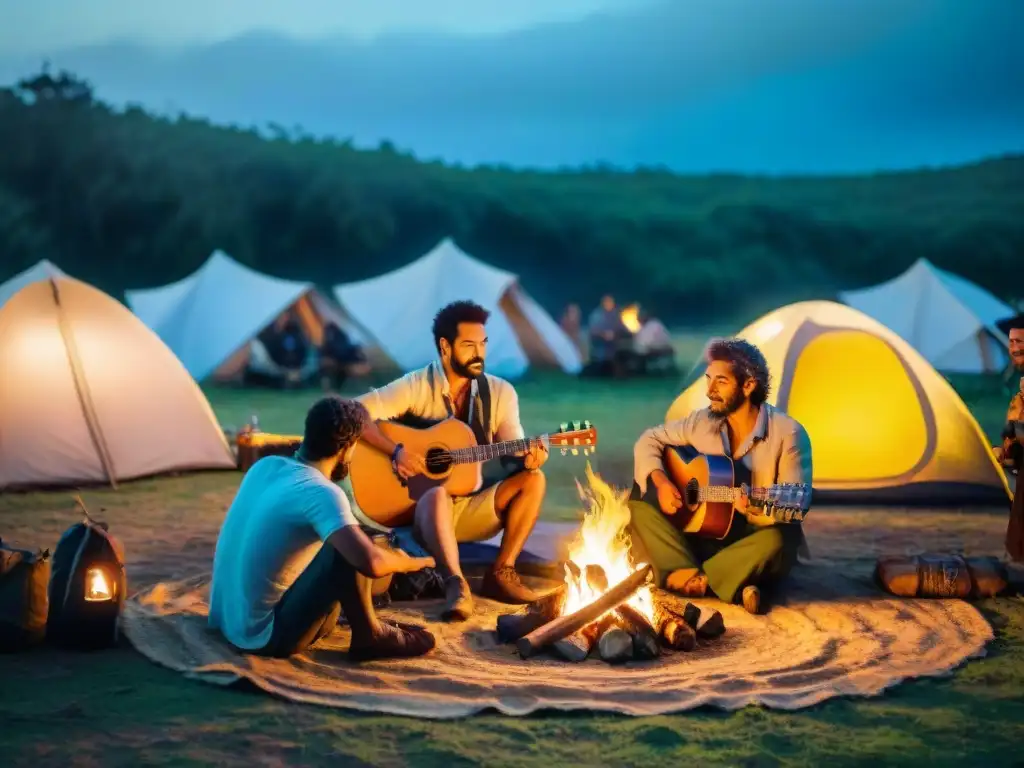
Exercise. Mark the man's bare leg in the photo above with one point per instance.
(434, 522)
(517, 501)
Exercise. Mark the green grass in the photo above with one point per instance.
(116, 708)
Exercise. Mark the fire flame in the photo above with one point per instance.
(630, 317)
(602, 540)
(96, 587)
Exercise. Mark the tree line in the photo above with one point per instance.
(126, 199)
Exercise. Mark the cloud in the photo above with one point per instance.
(798, 85)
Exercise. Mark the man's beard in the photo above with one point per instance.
(1018, 361)
(722, 409)
(340, 472)
(465, 370)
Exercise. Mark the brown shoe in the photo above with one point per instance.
(752, 599)
(395, 641)
(503, 584)
(458, 599)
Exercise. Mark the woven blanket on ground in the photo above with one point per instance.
(832, 636)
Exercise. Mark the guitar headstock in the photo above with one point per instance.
(575, 436)
(792, 498)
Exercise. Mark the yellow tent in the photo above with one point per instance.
(884, 426)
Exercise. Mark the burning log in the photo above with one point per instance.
(512, 626)
(564, 626)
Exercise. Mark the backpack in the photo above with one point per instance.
(23, 578)
(87, 587)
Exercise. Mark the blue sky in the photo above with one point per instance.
(34, 25)
(753, 86)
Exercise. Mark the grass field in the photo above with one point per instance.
(116, 708)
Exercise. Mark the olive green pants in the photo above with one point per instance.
(748, 555)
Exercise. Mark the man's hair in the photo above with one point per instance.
(1015, 323)
(746, 362)
(446, 322)
(332, 425)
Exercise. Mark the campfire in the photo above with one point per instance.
(606, 603)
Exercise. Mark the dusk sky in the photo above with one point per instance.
(776, 86)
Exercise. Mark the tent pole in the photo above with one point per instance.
(82, 387)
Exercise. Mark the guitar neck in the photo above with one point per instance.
(479, 453)
(723, 493)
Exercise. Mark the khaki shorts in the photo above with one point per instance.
(475, 517)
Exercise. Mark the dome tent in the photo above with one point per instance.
(89, 394)
(398, 308)
(884, 426)
(951, 321)
(41, 270)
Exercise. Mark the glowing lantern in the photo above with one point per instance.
(98, 588)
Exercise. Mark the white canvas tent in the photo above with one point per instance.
(89, 394)
(398, 309)
(41, 270)
(949, 320)
(210, 317)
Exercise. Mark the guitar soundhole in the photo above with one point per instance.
(691, 492)
(438, 460)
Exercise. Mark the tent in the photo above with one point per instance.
(884, 426)
(89, 394)
(210, 317)
(398, 309)
(41, 270)
(949, 320)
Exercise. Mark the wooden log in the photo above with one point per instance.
(512, 626)
(615, 646)
(645, 636)
(596, 578)
(673, 630)
(578, 645)
(707, 623)
(564, 626)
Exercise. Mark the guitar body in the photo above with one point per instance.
(689, 471)
(378, 490)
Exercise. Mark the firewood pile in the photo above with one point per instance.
(608, 626)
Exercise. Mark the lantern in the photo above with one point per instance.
(98, 588)
(87, 587)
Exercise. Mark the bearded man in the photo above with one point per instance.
(1011, 452)
(763, 442)
(451, 387)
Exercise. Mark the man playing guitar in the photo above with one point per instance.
(762, 441)
(451, 387)
(1011, 453)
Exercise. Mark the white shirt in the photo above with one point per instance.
(425, 394)
(283, 512)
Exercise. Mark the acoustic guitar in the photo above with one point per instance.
(708, 486)
(453, 460)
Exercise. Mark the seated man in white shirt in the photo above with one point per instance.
(451, 388)
(291, 556)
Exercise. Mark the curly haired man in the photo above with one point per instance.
(763, 443)
(291, 556)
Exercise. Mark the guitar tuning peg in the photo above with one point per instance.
(563, 427)
(565, 451)
(576, 425)
(575, 451)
